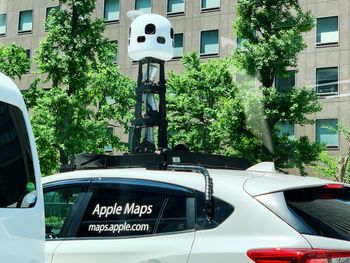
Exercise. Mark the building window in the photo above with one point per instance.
(286, 128)
(25, 21)
(2, 24)
(176, 6)
(327, 132)
(115, 54)
(144, 5)
(178, 45)
(327, 31)
(327, 80)
(111, 10)
(210, 4)
(109, 148)
(49, 11)
(28, 53)
(240, 42)
(209, 42)
(285, 82)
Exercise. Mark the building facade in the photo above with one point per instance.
(205, 26)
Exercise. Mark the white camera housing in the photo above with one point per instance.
(151, 35)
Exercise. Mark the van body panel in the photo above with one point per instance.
(22, 233)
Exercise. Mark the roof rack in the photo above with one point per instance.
(175, 160)
(156, 161)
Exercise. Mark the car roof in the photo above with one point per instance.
(275, 182)
(254, 183)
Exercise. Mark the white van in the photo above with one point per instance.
(21, 201)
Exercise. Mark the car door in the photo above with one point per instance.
(62, 201)
(129, 221)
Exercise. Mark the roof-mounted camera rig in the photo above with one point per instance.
(151, 43)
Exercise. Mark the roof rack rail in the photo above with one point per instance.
(156, 161)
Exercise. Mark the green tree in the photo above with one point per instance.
(13, 60)
(87, 92)
(273, 32)
(326, 166)
(335, 166)
(193, 103)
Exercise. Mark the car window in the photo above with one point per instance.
(222, 210)
(60, 206)
(17, 180)
(134, 209)
(325, 211)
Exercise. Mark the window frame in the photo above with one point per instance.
(104, 13)
(329, 147)
(75, 216)
(328, 44)
(327, 93)
(295, 81)
(19, 22)
(141, 9)
(203, 55)
(109, 148)
(47, 14)
(175, 13)
(4, 34)
(291, 137)
(209, 9)
(29, 53)
(183, 45)
(103, 182)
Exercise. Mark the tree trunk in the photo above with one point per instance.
(342, 164)
(63, 156)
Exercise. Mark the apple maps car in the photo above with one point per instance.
(188, 214)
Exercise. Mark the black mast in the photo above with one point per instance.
(149, 115)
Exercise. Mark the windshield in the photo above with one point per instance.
(325, 212)
(17, 182)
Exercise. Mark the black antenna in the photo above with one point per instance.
(148, 113)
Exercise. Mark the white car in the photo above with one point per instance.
(134, 215)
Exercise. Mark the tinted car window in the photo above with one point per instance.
(131, 209)
(178, 214)
(222, 210)
(60, 206)
(17, 181)
(325, 211)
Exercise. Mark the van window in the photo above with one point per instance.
(324, 211)
(17, 179)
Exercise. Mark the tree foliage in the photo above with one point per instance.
(212, 112)
(335, 166)
(194, 99)
(273, 32)
(13, 60)
(87, 92)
